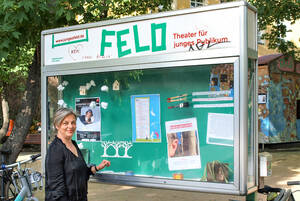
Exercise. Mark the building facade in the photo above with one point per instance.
(181, 4)
(278, 99)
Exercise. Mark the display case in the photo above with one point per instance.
(168, 98)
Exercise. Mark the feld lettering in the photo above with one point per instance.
(123, 36)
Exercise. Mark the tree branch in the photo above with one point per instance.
(5, 114)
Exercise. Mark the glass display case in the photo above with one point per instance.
(175, 111)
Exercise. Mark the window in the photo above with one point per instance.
(197, 3)
(171, 110)
(260, 41)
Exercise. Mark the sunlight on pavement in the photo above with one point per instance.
(122, 188)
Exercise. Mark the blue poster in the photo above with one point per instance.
(145, 110)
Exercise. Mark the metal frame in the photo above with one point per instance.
(243, 97)
(232, 188)
(240, 60)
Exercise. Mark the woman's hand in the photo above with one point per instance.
(103, 164)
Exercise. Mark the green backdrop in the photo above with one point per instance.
(149, 159)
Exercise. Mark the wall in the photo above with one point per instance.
(263, 107)
(277, 117)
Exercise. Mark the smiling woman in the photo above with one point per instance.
(65, 127)
(66, 171)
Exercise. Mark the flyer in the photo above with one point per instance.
(146, 118)
(220, 129)
(89, 120)
(183, 144)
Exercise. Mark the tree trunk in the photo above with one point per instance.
(5, 113)
(27, 109)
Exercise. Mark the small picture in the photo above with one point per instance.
(262, 98)
(182, 144)
(87, 117)
(214, 81)
(223, 78)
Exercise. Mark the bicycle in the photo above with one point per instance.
(21, 183)
(8, 190)
(279, 194)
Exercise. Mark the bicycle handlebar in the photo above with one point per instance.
(32, 158)
(293, 183)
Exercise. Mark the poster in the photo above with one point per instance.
(146, 118)
(183, 144)
(220, 129)
(89, 119)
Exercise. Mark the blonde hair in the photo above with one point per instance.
(60, 114)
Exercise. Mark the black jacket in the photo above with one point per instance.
(66, 174)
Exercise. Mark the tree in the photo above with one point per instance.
(274, 14)
(105, 145)
(12, 76)
(21, 23)
(127, 145)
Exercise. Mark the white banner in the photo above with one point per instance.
(214, 30)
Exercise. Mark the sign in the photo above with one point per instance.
(215, 30)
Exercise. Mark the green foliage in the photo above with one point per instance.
(17, 28)
(137, 7)
(14, 68)
(21, 24)
(273, 15)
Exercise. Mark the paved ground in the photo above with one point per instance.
(285, 167)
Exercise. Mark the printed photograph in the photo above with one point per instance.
(89, 119)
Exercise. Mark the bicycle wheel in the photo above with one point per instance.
(11, 191)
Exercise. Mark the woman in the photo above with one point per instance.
(66, 171)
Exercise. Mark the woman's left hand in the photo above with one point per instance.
(103, 164)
